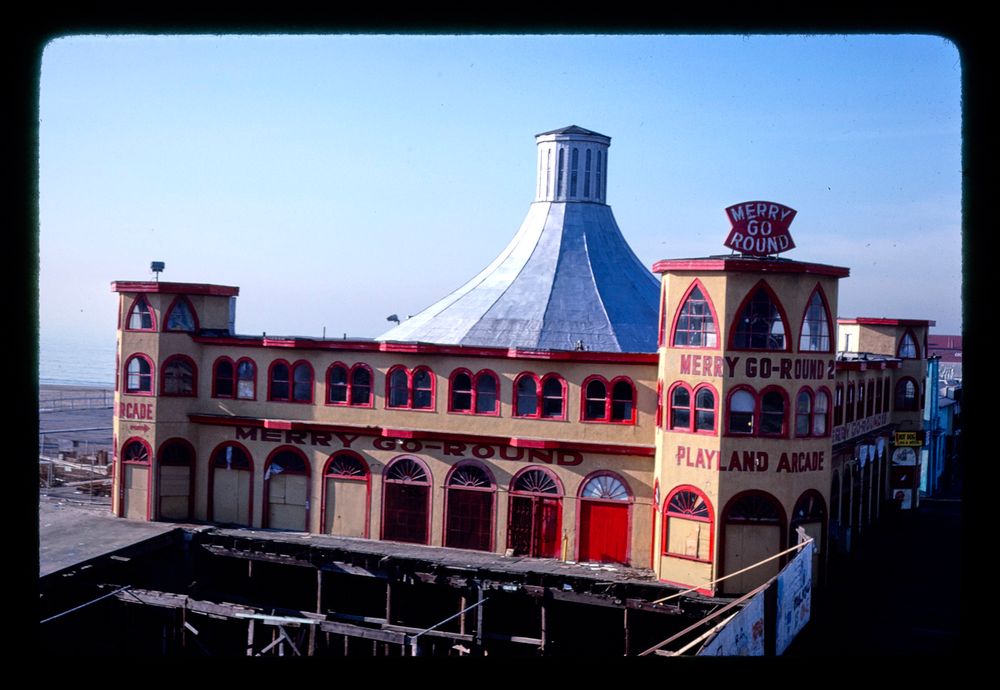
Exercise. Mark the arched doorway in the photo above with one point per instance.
(286, 490)
(346, 495)
(866, 493)
(753, 530)
(230, 492)
(535, 516)
(836, 537)
(175, 483)
(810, 515)
(469, 507)
(134, 490)
(603, 536)
(406, 505)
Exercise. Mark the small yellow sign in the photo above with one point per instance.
(909, 438)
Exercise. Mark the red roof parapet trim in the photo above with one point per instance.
(174, 288)
(737, 264)
(871, 321)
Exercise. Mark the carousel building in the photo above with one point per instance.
(564, 403)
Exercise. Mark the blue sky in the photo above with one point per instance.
(340, 179)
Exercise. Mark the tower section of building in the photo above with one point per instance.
(743, 446)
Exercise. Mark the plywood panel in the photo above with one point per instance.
(136, 481)
(296, 489)
(689, 537)
(230, 497)
(173, 508)
(276, 488)
(283, 516)
(345, 507)
(175, 481)
(748, 544)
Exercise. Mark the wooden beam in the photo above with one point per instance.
(643, 605)
(584, 598)
(374, 634)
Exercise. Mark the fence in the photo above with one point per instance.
(64, 401)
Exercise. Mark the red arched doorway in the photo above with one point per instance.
(535, 517)
(469, 507)
(406, 502)
(605, 503)
(753, 530)
(346, 495)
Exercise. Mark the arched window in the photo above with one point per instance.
(906, 395)
(861, 400)
(760, 325)
(742, 406)
(336, 384)
(136, 452)
(474, 394)
(595, 402)
(809, 513)
(622, 401)
(695, 325)
(680, 408)
(399, 387)
(838, 405)
(553, 396)
(687, 525)
(179, 377)
(302, 382)
(850, 403)
(140, 316)
(772, 413)
(870, 395)
(908, 348)
(704, 409)
(349, 386)
(526, 396)
(586, 177)
(598, 188)
(574, 164)
(469, 513)
(279, 381)
(885, 392)
(559, 175)
(406, 509)
(815, 336)
(821, 411)
(803, 412)
(412, 390)
(246, 379)
(223, 378)
(181, 316)
(879, 397)
(139, 375)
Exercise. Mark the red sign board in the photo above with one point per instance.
(760, 228)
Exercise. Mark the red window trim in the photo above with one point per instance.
(829, 321)
(692, 409)
(758, 413)
(605, 473)
(350, 385)
(194, 377)
(609, 400)
(659, 403)
(491, 489)
(410, 373)
(696, 283)
(813, 396)
(474, 383)
(291, 382)
(215, 377)
(141, 299)
(781, 313)
(236, 373)
(267, 485)
(552, 475)
(916, 344)
(665, 537)
(211, 479)
(366, 478)
(430, 488)
(152, 375)
(149, 474)
(539, 396)
(194, 315)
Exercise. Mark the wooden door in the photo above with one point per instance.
(136, 491)
(287, 499)
(603, 532)
(175, 489)
(747, 544)
(231, 497)
(346, 507)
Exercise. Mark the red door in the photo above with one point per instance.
(603, 532)
(534, 526)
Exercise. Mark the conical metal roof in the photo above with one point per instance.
(568, 276)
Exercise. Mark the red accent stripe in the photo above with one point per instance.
(872, 321)
(750, 266)
(514, 442)
(174, 288)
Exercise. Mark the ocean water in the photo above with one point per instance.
(72, 361)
